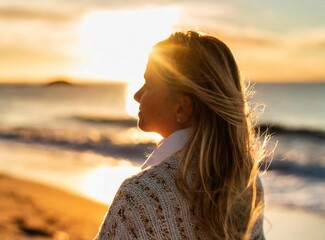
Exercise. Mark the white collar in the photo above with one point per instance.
(167, 147)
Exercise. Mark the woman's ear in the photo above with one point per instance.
(184, 110)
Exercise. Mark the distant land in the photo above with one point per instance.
(67, 81)
(59, 83)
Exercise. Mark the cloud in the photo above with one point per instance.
(244, 37)
(266, 55)
(64, 11)
(263, 53)
(308, 39)
(25, 13)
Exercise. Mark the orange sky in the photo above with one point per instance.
(105, 40)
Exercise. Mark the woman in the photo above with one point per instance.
(202, 180)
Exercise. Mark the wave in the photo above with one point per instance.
(284, 130)
(124, 122)
(263, 127)
(101, 144)
(295, 168)
(312, 167)
(298, 152)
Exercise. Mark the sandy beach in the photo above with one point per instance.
(35, 211)
(32, 210)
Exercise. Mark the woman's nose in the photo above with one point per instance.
(137, 95)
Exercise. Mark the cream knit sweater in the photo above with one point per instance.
(149, 206)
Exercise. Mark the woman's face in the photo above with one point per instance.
(158, 105)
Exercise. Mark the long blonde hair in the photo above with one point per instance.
(220, 162)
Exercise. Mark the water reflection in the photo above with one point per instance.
(101, 183)
(83, 173)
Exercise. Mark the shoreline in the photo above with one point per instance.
(32, 210)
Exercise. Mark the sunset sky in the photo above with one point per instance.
(109, 40)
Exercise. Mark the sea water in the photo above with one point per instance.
(68, 134)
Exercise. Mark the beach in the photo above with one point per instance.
(31, 210)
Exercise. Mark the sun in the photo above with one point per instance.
(114, 45)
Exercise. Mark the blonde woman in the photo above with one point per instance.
(202, 180)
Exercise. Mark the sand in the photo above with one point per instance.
(35, 211)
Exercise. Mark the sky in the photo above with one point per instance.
(109, 40)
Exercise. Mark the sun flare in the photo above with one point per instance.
(114, 45)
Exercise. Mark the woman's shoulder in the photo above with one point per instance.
(148, 205)
(154, 180)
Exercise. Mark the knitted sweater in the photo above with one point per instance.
(149, 206)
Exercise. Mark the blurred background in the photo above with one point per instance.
(69, 69)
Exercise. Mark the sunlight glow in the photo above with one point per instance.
(136, 136)
(102, 183)
(114, 45)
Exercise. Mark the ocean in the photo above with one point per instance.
(80, 138)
